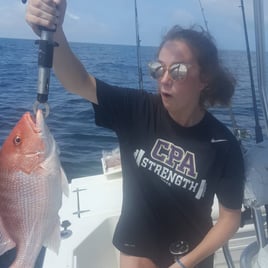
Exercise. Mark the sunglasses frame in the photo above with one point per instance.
(158, 70)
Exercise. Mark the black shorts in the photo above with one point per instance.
(143, 236)
(160, 254)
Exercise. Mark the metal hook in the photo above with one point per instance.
(36, 107)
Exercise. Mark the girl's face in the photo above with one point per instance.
(181, 95)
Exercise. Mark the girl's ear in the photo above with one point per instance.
(205, 79)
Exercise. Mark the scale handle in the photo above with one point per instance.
(45, 62)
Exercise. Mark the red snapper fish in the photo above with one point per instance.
(31, 185)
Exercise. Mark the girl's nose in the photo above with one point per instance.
(165, 78)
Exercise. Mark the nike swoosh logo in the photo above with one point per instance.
(216, 141)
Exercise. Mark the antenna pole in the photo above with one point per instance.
(260, 55)
(258, 130)
(203, 14)
(138, 42)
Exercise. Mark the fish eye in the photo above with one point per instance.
(17, 140)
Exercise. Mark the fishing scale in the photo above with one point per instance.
(45, 62)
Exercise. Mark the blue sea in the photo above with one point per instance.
(71, 119)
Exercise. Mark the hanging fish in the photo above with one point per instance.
(31, 185)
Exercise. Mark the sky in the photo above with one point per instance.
(113, 21)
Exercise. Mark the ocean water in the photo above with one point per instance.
(71, 119)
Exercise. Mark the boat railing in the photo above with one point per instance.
(255, 198)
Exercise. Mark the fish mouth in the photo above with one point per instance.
(31, 120)
(36, 122)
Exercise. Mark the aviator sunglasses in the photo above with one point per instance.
(177, 71)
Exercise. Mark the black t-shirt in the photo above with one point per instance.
(170, 172)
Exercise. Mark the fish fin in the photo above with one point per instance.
(6, 243)
(64, 182)
(53, 241)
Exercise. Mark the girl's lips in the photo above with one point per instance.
(165, 94)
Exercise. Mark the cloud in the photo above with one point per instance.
(72, 16)
(182, 17)
(12, 20)
(115, 23)
(11, 14)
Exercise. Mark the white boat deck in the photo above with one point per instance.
(93, 219)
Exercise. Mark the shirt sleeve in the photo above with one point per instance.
(118, 108)
(230, 188)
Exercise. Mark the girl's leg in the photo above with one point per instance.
(127, 261)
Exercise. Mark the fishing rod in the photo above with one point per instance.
(258, 129)
(203, 15)
(238, 132)
(45, 62)
(138, 42)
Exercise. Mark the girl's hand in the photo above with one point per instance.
(46, 13)
(184, 262)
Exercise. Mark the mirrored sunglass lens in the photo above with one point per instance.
(156, 70)
(178, 71)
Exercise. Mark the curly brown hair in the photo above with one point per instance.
(221, 83)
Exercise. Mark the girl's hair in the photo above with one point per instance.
(221, 83)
